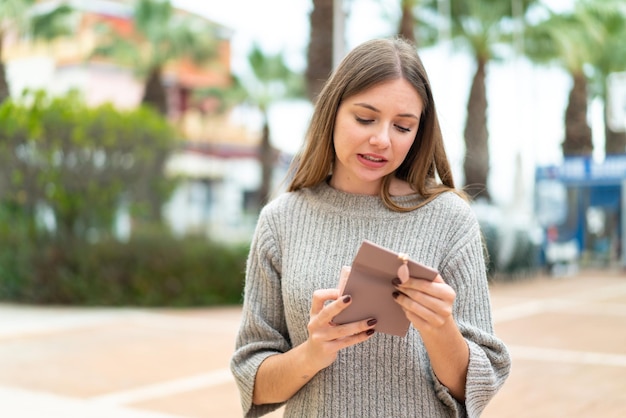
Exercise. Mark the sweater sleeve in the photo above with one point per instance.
(489, 359)
(263, 330)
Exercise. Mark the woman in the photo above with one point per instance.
(373, 167)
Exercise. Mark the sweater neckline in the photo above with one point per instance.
(336, 200)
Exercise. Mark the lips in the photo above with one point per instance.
(372, 160)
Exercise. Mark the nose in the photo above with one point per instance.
(381, 138)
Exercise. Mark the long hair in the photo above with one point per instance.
(425, 168)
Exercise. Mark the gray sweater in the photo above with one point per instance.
(301, 241)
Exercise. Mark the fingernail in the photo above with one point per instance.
(347, 298)
(396, 282)
(372, 321)
(369, 331)
(395, 295)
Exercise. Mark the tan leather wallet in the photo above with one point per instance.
(368, 282)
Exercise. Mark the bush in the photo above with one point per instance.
(82, 163)
(66, 169)
(154, 269)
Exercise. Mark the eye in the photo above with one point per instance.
(364, 121)
(402, 128)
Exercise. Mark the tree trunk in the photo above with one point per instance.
(154, 93)
(405, 29)
(476, 164)
(320, 51)
(266, 156)
(4, 85)
(615, 142)
(577, 131)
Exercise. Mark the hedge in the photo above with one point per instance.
(149, 270)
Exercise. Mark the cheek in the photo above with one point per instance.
(345, 136)
(402, 149)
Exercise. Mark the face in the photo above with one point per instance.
(374, 131)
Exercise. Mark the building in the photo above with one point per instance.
(583, 202)
(219, 196)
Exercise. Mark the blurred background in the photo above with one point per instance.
(140, 138)
(131, 128)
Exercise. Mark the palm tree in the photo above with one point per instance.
(24, 17)
(406, 27)
(162, 36)
(608, 56)
(481, 25)
(320, 50)
(569, 39)
(271, 80)
(421, 21)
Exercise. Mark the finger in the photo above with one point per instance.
(334, 308)
(436, 288)
(430, 310)
(320, 297)
(353, 339)
(412, 302)
(437, 298)
(340, 332)
(417, 312)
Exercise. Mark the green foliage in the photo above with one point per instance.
(162, 36)
(26, 18)
(591, 34)
(53, 23)
(271, 80)
(568, 38)
(18, 243)
(609, 53)
(37, 21)
(151, 269)
(82, 163)
(481, 26)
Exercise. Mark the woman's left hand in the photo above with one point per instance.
(427, 304)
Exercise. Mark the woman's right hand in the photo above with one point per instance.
(280, 376)
(326, 338)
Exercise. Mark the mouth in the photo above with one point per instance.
(372, 158)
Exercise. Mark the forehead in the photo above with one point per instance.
(392, 93)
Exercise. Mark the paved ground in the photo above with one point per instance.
(567, 337)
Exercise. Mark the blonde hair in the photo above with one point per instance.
(371, 63)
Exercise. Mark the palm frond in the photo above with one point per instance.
(56, 22)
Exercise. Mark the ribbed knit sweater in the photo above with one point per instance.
(301, 241)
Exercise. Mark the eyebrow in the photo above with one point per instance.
(370, 107)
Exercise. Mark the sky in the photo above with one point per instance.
(526, 103)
